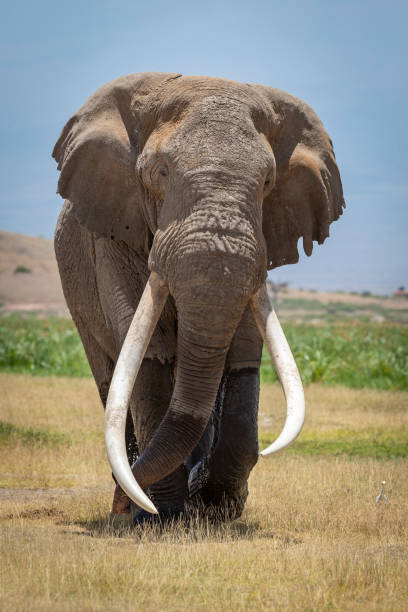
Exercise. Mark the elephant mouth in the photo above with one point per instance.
(131, 357)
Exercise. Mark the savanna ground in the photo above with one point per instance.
(311, 536)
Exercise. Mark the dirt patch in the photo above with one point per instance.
(50, 506)
(42, 495)
(34, 513)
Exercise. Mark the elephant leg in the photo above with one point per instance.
(235, 452)
(80, 288)
(102, 367)
(102, 282)
(150, 401)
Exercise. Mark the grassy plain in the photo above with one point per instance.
(348, 352)
(311, 536)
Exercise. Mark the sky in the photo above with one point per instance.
(347, 59)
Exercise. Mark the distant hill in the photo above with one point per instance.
(29, 278)
(29, 281)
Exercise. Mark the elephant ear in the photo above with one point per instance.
(97, 153)
(308, 194)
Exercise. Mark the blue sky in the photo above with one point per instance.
(347, 59)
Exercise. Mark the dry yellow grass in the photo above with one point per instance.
(61, 405)
(311, 536)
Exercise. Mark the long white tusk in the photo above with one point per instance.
(286, 369)
(127, 367)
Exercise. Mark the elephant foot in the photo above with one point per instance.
(220, 506)
(145, 519)
(121, 503)
(217, 508)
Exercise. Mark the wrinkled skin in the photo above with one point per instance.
(209, 183)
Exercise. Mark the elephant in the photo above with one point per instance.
(181, 192)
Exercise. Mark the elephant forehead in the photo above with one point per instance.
(206, 118)
(219, 103)
(209, 140)
(222, 113)
(181, 95)
(218, 119)
(217, 122)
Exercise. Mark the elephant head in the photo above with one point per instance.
(214, 182)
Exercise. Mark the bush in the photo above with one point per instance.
(22, 270)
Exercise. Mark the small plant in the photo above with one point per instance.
(22, 270)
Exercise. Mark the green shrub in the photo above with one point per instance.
(22, 270)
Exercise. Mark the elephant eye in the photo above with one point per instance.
(269, 181)
(163, 171)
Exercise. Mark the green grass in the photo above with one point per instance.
(354, 355)
(29, 435)
(300, 303)
(357, 355)
(41, 347)
(341, 309)
(377, 444)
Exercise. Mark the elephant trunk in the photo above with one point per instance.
(201, 356)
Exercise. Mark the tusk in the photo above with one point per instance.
(286, 369)
(127, 367)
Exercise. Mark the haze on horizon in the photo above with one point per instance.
(347, 59)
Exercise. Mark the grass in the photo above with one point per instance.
(334, 311)
(68, 419)
(358, 355)
(300, 303)
(41, 346)
(311, 536)
(13, 434)
(389, 443)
